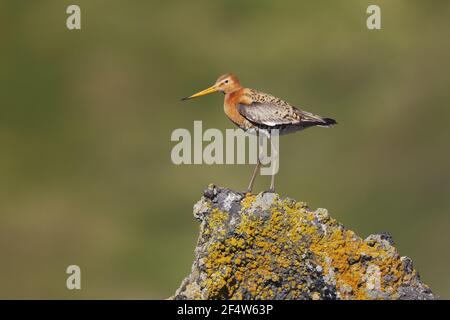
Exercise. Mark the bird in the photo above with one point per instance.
(253, 110)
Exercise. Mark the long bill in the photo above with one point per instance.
(202, 93)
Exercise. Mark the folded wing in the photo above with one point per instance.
(269, 111)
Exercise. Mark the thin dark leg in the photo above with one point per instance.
(255, 172)
(252, 180)
(272, 180)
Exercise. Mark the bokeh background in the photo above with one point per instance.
(86, 118)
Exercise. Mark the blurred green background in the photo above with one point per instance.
(86, 118)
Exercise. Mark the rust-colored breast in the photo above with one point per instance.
(231, 104)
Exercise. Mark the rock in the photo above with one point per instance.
(266, 247)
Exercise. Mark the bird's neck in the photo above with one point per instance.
(234, 96)
(230, 106)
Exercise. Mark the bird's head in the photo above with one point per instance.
(226, 83)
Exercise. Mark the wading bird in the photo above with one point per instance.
(250, 109)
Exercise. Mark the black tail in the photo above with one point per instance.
(329, 121)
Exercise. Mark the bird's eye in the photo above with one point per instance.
(226, 81)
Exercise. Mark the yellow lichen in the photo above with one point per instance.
(216, 222)
(249, 261)
(340, 247)
(247, 202)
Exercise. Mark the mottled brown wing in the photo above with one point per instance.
(273, 114)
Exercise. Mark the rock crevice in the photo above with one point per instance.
(266, 247)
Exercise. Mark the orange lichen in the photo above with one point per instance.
(261, 249)
(339, 247)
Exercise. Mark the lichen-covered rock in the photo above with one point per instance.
(264, 247)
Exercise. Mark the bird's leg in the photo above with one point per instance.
(272, 184)
(252, 180)
(255, 172)
(273, 153)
